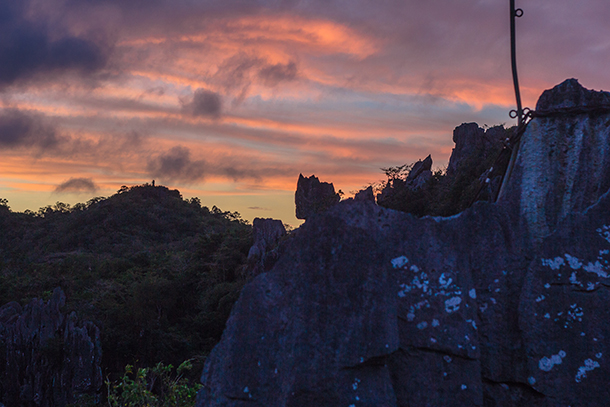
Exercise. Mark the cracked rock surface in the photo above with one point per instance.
(501, 305)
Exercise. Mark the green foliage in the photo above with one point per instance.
(158, 274)
(155, 386)
(444, 194)
(397, 173)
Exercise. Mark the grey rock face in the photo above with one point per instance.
(48, 358)
(420, 174)
(474, 143)
(365, 195)
(563, 165)
(263, 254)
(373, 307)
(313, 196)
(570, 94)
(418, 168)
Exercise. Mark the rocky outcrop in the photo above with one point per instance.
(501, 305)
(420, 173)
(366, 195)
(474, 143)
(563, 164)
(263, 253)
(48, 358)
(398, 188)
(313, 196)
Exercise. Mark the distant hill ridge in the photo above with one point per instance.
(156, 274)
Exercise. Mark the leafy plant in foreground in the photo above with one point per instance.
(154, 387)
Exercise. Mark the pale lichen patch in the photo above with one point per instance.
(573, 262)
(444, 281)
(589, 365)
(399, 262)
(604, 232)
(554, 264)
(546, 364)
(453, 304)
(596, 268)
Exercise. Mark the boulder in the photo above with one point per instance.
(313, 196)
(49, 359)
(374, 307)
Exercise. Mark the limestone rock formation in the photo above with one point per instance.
(263, 253)
(313, 196)
(48, 359)
(501, 305)
(563, 165)
(365, 195)
(474, 143)
(420, 169)
(397, 188)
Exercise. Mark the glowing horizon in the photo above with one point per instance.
(230, 103)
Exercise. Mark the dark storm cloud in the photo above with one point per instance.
(204, 103)
(28, 47)
(176, 165)
(271, 75)
(77, 185)
(22, 129)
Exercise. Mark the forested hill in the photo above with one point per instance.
(157, 273)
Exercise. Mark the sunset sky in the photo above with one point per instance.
(231, 100)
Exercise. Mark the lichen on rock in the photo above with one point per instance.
(503, 305)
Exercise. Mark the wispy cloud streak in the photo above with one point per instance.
(238, 97)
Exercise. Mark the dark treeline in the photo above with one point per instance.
(157, 273)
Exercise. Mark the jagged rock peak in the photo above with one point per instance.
(474, 143)
(569, 94)
(563, 162)
(266, 234)
(501, 305)
(419, 167)
(313, 196)
(366, 195)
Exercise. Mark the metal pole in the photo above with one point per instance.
(514, 13)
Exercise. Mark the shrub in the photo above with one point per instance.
(153, 387)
